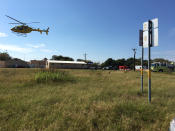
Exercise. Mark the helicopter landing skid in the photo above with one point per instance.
(20, 34)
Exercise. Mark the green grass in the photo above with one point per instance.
(98, 100)
(45, 76)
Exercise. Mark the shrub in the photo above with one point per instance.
(45, 76)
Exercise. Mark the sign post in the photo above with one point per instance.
(149, 59)
(141, 44)
(150, 39)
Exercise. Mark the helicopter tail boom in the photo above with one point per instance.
(42, 30)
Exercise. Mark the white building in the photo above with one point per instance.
(66, 64)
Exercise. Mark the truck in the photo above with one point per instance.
(162, 67)
(139, 67)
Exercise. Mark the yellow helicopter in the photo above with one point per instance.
(23, 29)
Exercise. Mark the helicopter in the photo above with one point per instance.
(23, 29)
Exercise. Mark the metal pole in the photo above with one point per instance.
(134, 61)
(85, 57)
(142, 70)
(134, 57)
(149, 59)
(141, 44)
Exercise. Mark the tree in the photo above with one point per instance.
(45, 59)
(87, 61)
(121, 62)
(63, 58)
(80, 60)
(161, 60)
(5, 56)
(130, 62)
(95, 64)
(109, 62)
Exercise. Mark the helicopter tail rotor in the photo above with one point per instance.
(47, 31)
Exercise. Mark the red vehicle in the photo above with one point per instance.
(123, 68)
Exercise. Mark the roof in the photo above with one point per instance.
(66, 62)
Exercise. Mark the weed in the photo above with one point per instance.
(45, 76)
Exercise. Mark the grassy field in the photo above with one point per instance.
(90, 101)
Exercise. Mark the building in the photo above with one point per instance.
(2, 64)
(65, 64)
(37, 63)
(14, 63)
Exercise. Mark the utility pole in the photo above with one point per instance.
(134, 50)
(85, 57)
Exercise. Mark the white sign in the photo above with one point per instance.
(154, 33)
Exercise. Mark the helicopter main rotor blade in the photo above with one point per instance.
(25, 23)
(15, 20)
(32, 22)
(14, 23)
(35, 22)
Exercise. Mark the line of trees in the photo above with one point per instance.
(63, 58)
(4, 56)
(122, 62)
(130, 62)
(66, 58)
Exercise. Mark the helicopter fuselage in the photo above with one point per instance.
(22, 29)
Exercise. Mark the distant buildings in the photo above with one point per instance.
(14, 63)
(49, 64)
(37, 63)
(18, 63)
(65, 64)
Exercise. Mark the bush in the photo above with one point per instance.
(52, 76)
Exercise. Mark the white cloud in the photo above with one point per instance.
(15, 48)
(36, 46)
(3, 34)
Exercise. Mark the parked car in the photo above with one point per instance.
(93, 68)
(109, 68)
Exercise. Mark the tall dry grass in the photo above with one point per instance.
(98, 100)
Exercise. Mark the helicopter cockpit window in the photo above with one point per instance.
(21, 28)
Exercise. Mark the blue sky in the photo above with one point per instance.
(101, 28)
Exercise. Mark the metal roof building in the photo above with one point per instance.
(66, 64)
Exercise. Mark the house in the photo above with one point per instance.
(2, 64)
(66, 64)
(14, 63)
(37, 63)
